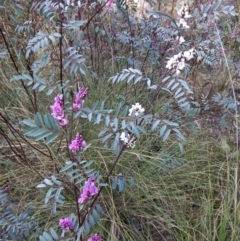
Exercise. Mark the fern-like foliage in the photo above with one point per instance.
(74, 24)
(128, 75)
(25, 28)
(34, 80)
(41, 40)
(180, 90)
(75, 61)
(229, 106)
(42, 128)
(96, 113)
(135, 126)
(215, 11)
(13, 225)
(126, 38)
(79, 171)
(228, 103)
(52, 235)
(48, 8)
(122, 8)
(40, 63)
(165, 127)
(54, 192)
(209, 52)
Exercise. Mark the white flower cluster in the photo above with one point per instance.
(136, 109)
(180, 39)
(184, 14)
(178, 60)
(126, 140)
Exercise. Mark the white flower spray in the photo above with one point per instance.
(178, 61)
(126, 139)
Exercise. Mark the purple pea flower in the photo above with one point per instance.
(88, 191)
(110, 4)
(63, 122)
(66, 224)
(82, 93)
(57, 111)
(77, 143)
(95, 237)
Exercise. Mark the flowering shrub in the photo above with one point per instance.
(158, 53)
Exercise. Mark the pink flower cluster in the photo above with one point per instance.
(82, 93)
(58, 112)
(66, 224)
(77, 143)
(95, 237)
(110, 4)
(89, 190)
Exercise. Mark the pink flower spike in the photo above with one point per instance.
(90, 189)
(82, 93)
(57, 110)
(58, 99)
(66, 224)
(76, 107)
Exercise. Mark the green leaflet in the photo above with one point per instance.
(43, 128)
